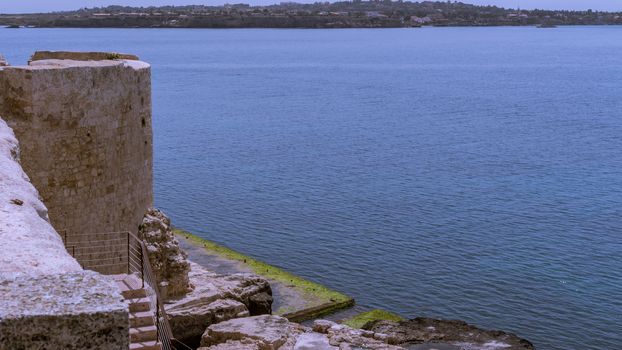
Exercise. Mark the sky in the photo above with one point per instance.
(25, 6)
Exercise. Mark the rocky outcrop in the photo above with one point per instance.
(277, 333)
(215, 298)
(269, 332)
(197, 297)
(459, 334)
(168, 260)
(3, 61)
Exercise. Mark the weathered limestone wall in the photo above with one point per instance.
(85, 131)
(30, 245)
(46, 300)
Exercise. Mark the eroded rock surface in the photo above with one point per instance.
(268, 332)
(168, 260)
(459, 334)
(215, 298)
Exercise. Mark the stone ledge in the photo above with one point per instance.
(48, 64)
(72, 293)
(64, 311)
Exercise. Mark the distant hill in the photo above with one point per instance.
(344, 14)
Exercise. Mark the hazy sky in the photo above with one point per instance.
(17, 6)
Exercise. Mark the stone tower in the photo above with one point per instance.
(84, 124)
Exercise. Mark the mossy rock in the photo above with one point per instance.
(360, 320)
(326, 300)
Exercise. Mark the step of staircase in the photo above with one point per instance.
(143, 331)
(131, 286)
(148, 345)
(141, 319)
(139, 305)
(134, 293)
(143, 334)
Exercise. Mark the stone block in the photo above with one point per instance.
(78, 310)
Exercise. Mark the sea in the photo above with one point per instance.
(461, 173)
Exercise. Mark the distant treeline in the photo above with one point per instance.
(344, 14)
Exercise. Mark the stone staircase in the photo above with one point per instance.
(143, 331)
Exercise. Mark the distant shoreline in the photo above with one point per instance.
(2, 26)
(345, 14)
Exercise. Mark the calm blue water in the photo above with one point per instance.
(469, 173)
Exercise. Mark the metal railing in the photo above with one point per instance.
(119, 253)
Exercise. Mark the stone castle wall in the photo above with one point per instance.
(85, 131)
(46, 300)
(30, 244)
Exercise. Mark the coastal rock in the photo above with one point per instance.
(189, 321)
(346, 338)
(215, 298)
(260, 304)
(313, 341)
(459, 334)
(169, 261)
(234, 345)
(266, 331)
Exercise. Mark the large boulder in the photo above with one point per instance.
(168, 260)
(215, 298)
(189, 321)
(460, 335)
(267, 332)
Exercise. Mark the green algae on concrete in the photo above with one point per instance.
(320, 299)
(358, 321)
